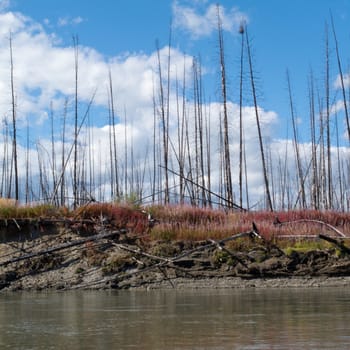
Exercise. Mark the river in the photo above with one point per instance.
(195, 319)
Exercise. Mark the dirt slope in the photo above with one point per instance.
(62, 257)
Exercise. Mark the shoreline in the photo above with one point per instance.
(115, 260)
(227, 283)
(212, 283)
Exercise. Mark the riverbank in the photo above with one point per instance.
(60, 257)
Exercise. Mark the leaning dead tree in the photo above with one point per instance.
(341, 75)
(263, 159)
(228, 204)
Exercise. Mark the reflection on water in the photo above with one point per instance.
(202, 319)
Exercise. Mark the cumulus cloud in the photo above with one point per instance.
(44, 70)
(44, 79)
(203, 24)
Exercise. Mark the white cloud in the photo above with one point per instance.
(67, 21)
(205, 23)
(44, 74)
(346, 80)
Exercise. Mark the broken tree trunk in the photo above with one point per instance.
(338, 243)
(108, 234)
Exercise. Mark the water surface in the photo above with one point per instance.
(198, 319)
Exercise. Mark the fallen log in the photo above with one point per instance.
(336, 242)
(108, 234)
(277, 222)
(164, 262)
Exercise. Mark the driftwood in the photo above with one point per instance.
(277, 222)
(108, 234)
(164, 261)
(127, 273)
(338, 243)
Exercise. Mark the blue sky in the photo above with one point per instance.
(285, 35)
(122, 35)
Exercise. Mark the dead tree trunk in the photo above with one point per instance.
(226, 142)
(263, 160)
(14, 128)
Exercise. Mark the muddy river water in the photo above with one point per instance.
(310, 318)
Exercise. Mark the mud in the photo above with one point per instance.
(124, 261)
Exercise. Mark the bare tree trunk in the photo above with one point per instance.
(340, 182)
(226, 142)
(91, 159)
(196, 132)
(314, 175)
(245, 174)
(164, 122)
(191, 190)
(322, 160)
(6, 165)
(14, 128)
(53, 153)
(201, 137)
(296, 147)
(27, 198)
(180, 134)
(132, 162)
(199, 131)
(114, 137)
(328, 136)
(222, 191)
(240, 180)
(154, 175)
(75, 160)
(111, 159)
(265, 174)
(63, 160)
(208, 148)
(341, 79)
(126, 164)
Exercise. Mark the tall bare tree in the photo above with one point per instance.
(296, 146)
(164, 125)
(75, 160)
(14, 117)
(314, 174)
(226, 141)
(261, 144)
(240, 177)
(328, 134)
(341, 76)
(114, 159)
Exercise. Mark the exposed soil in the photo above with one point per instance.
(59, 257)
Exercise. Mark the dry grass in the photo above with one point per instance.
(184, 222)
(192, 223)
(10, 209)
(117, 215)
